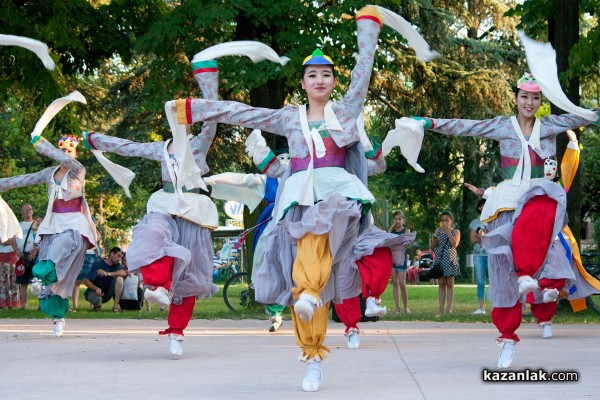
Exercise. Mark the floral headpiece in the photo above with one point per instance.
(68, 142)
(528, 83)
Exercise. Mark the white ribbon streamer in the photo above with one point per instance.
(121, 175)
(414, 38)
(187, 173)
(541, 59)
(306, 194)
(256, 51)
(53, 109)
(9, 225)
(39, 48)
(408, 135)
(364, 139)
(523, 170)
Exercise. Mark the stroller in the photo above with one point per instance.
(425, 264)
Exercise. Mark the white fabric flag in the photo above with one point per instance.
(541, 59)
(408, 135)
(9, 225)
(53, 109)
(414, 38)
(121, 175)
(39, 48)
(256, 51)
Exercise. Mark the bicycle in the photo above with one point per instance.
(589, 261)
(236, 291)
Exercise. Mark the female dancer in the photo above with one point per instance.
(525, 141)
(172, 245)
(319, 206)
(67, 229)
(562, 273)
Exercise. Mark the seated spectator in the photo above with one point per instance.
(105, 280)
(413, 271)
(218, 264)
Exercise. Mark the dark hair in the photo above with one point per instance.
(480, 203)
(115, 250)
(517, 90)
(398, 212)
(448, 213)
(304, 67)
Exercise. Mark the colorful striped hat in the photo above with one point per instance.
(317, 58)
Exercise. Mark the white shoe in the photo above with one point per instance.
(305, 307)
(550, 295)
(276, 323)
(479, 311)
(547, 333)
(526, 284)
(58, 327)
(312, 378)
(506, 355)
(160, 295)
(36, 286)
(353, 339)
(374, 308)
(175, 344)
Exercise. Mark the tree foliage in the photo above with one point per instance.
(129, 57)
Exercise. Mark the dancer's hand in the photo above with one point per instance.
(478, 191)
(572, 136)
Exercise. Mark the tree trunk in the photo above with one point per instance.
(563, 33)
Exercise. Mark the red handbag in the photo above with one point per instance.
(20, 267)
(20, 264)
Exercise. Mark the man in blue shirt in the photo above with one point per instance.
(105, 280)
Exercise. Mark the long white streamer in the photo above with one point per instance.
(414, 38)
(39, 48)
(256, 51)
(408, 135)
(541, 59)
(54, 108)
(121, 175)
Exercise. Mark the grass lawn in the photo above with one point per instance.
(422, 301)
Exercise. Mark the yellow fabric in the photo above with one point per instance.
(493, 217)
(578, 304)
(311, 335)
(310, 273)
(371, 12)
(312, 265)
(568, 167)
(593, 282)
(181, 114)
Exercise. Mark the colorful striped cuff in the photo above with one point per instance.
(428, 122)
(205, 66)
(266, 163)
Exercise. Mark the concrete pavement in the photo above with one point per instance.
(239, 359)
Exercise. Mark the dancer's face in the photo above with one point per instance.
(528, 103)
(318, 82)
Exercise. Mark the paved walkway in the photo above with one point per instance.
(239, 359)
